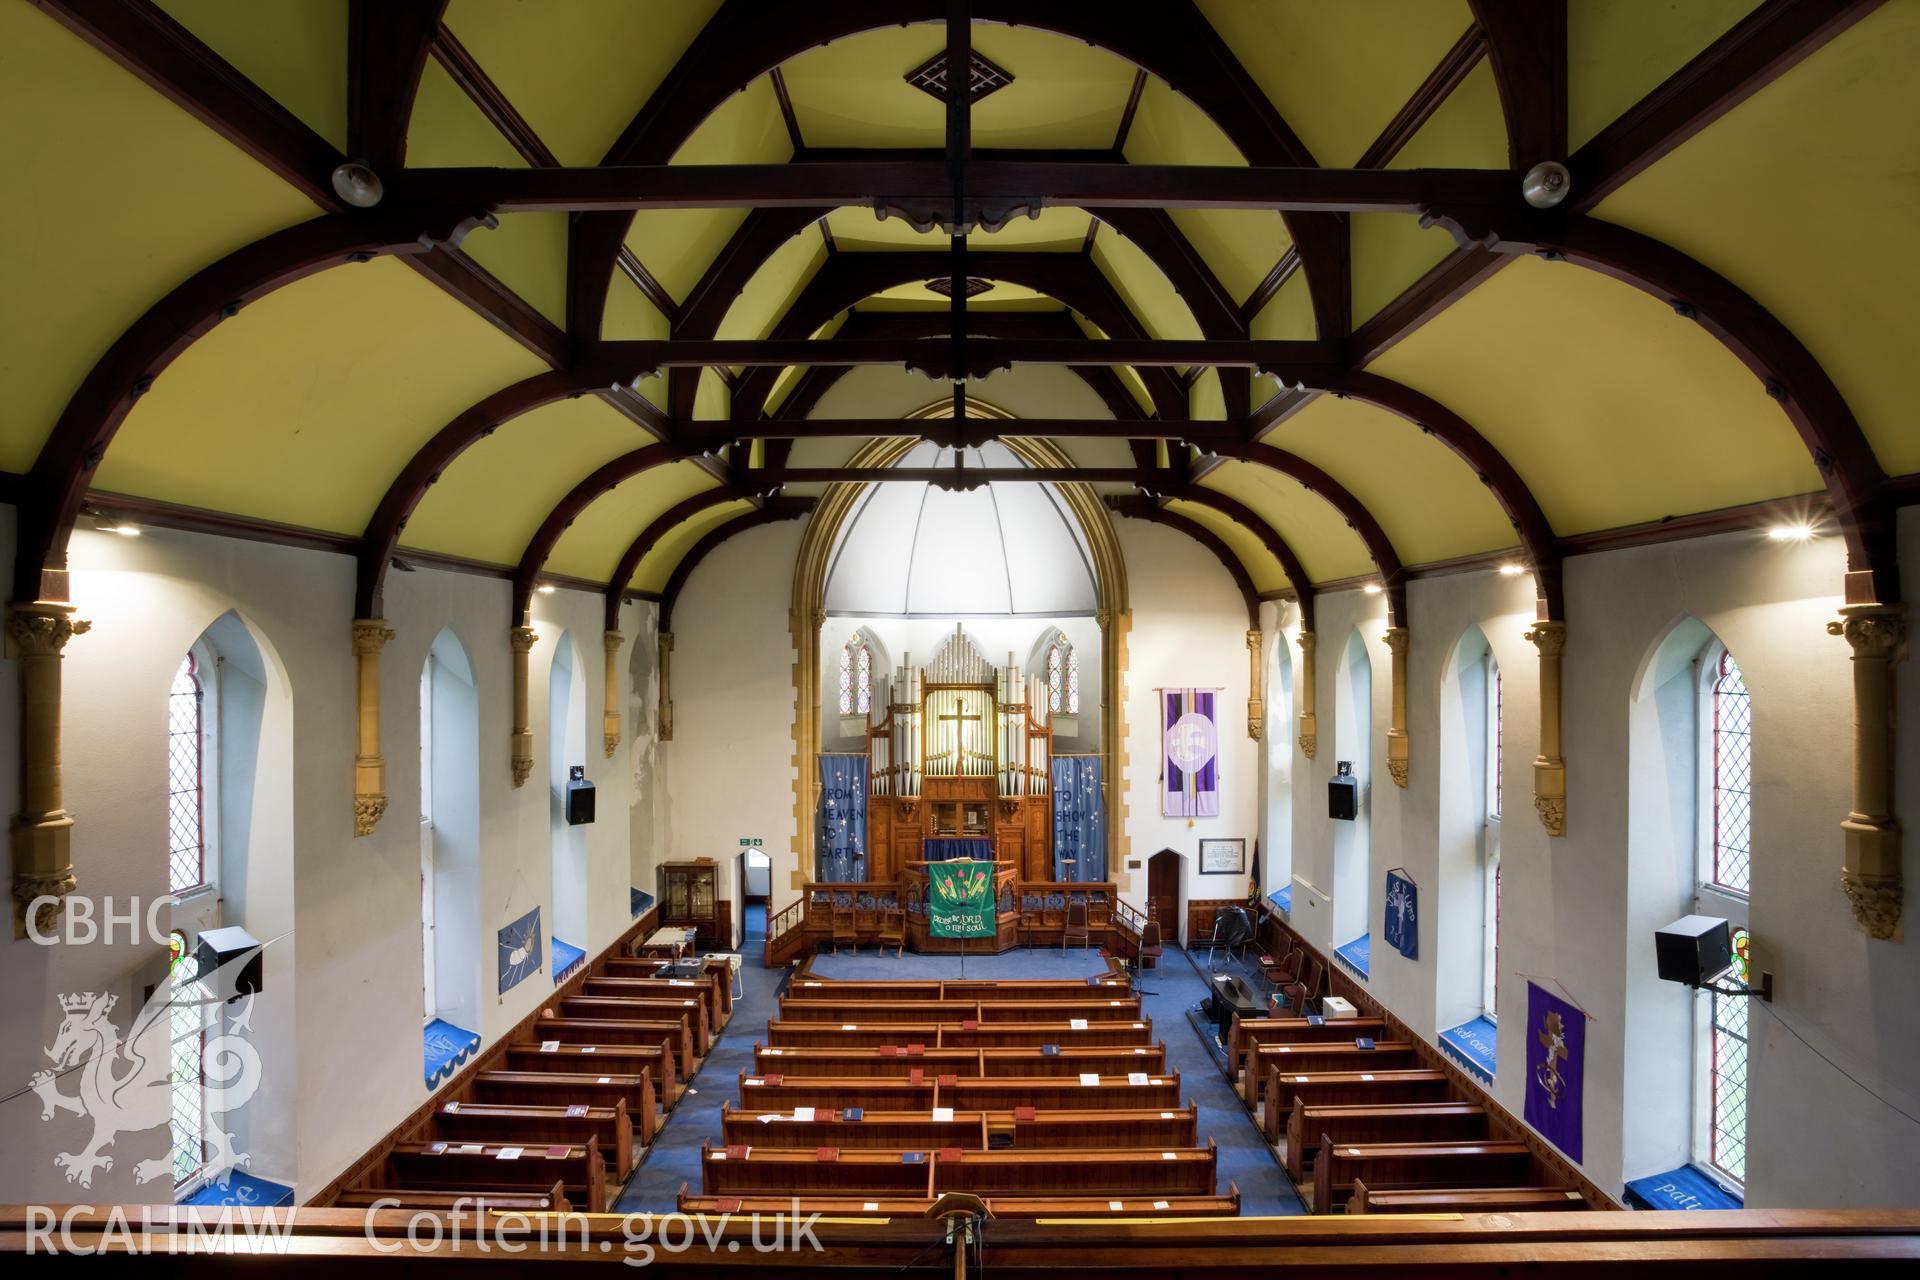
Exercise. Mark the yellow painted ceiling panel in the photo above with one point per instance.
(712, 400)
(1840, 270)
(1618, 51)
(791, 375)
(313, 398)
(1129, 376)
(296, 50)
(1056, 229)
(1001, 297)
(1613, 409)
(81, 263)
(1169, 129)
(853, 92)
(1317, 533)
(1428, 501)
(1205, 400)
(1467, 131)
(601, 535)
(578, 70)
(773, 288)
(1259, 562)
(677, 245)
(493, 497)
(1389, 252)
(658, 564)
(446, 128)
(1146, 291)
(1338, 73)
(630, 315)
(528, 253)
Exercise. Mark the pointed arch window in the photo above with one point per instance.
(856, 677)
(1063, 678)
(1732, 851)
(187, 1034)
(186, 780)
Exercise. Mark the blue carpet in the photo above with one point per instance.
(1357, 953)
(1174, 987)
(1473, 1045)
(756, 921)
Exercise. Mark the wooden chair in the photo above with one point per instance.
(1150, 947)
(893, 931)
(844, 930)
(1299, 993)
(1076, 926)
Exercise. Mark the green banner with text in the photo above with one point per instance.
(960, 898)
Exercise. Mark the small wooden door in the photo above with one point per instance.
(1163, 887)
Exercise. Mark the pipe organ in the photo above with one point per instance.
(960, 747)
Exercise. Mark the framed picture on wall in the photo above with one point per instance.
(1223, 857)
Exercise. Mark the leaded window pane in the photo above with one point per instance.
(1732, 778)
(186, 810)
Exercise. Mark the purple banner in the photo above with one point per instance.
(1189, 754)
(1556, 1042)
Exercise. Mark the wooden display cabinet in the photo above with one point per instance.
(690, 898)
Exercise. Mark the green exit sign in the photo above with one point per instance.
(749, 842)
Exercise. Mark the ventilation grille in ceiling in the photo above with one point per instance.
(984, 78)
(944, 286)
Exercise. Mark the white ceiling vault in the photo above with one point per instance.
(911, 550)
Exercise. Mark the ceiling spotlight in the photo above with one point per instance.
(1512, 570)
(1546, 184)
(106, 524)
(1791, 532)
(546, 588)
(358, 185)
(1373, 588)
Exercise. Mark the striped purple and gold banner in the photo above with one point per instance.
(1189, 754)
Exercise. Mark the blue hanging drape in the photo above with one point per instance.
(840, 849)
(1079, 819)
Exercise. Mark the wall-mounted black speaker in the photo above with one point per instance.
(1693, 950)
(579, 797)
(216, 947)
(1343, 793)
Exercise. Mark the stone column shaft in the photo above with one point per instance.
(370, 635)
(1549, 768)
(521, 638)
(42, 834)
(1256, 706)
(1871, 875)
(1397, 744)
(1309, 733)
(610, 718)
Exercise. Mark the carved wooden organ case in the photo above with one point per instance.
(960, 748)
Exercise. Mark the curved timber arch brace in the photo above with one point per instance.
(50, 497)
(1786, 369)
(604, 479)
(1170, 39)
(1141, 507)
(650, 537)
(424, 469)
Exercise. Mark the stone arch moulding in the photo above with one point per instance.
(807, 612)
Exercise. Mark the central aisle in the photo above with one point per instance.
(674, 1156)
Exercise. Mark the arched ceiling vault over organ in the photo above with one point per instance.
(523, 350)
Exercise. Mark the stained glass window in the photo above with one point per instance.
(187, 1033)
(846, 682)
(1728, 1074)
(1732, 777)
(1063, 677)
(186, 810)
(856, 677)
(1073, 682)
(863, 680)
(1053, 677)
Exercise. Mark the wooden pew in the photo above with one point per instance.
(1014, 1207)
(1344, 1088)
(850, 1035)
(948, 1012)
(1061, 1093)
(567, 1088)
(553, 1200)
(1301, 1059)
(1110, 1172)
(706, 990)
(1413, 1166)
(657, 1061)
(970, 1130)
(676, 1035)
(716, 980)
(1464, 1200)
(877, 1062)
(1407, 1122)
(972, 991)
(478, 1168)
(766, 1170)
(539, 1126)
(1025, 1035)
(1244, 1037)
(646, 1008)
(758, 1094)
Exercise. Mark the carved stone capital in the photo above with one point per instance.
(42, 629)
(522, 639)
(522, 770)
(611, 641)
(1256, 718)
(367, 812)
(1397, 770)
(45, 895)
(1876, 902)
(1309, 743)
(1548, 637)
(1553, 813)
(1873, 630)
(1305, 640)
(1395, 638)
(370, 635)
